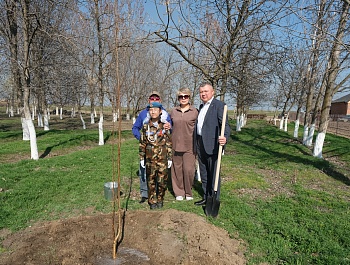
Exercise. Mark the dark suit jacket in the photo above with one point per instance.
(212, 126)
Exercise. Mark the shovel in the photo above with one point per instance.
(213, 204)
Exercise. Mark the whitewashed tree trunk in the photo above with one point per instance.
(296, 128)
(244, 120)
(82, 120)
(40, 120)
(26, 115)
(56, 111)
(115, 117)
(92, 118)
(331, 75)
(100, 131)
(241, 121)
(33, 142)
(317, 152)
(238, 123)
(48, 114)
(11, 111)
(61, 113)
(34, 112)
(286, 124)
(133, 120)
(46, 121)
(310, 136)
(305, 134)
(281, 123)
(25, 130)
(274, 121)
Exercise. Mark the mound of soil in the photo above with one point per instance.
(147, 237)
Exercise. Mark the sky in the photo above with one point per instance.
(151, 10)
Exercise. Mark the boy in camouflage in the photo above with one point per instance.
(155, 152)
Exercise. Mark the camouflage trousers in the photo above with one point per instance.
(157, 177)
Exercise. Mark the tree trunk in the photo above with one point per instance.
(17, 95)
(46, 120)
(311, 74)
(332, 73)
(82, 120)
(26, 87)
(100, 131)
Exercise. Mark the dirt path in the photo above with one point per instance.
(150, 237)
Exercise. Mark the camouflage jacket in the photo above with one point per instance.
(154, 137)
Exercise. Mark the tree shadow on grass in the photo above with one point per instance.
(273, 146)
(67, 143)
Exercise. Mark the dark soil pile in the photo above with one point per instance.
(148, 237)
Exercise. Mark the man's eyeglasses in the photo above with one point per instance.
(183, 97)
(154, 98)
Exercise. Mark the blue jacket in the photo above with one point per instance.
(144, 118)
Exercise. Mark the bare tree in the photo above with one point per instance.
(210, 35)
(339, 54)
(9, 31)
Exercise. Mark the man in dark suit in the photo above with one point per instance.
(208, 139)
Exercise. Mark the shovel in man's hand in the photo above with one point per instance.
(213, 204)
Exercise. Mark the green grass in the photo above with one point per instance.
(287, 206)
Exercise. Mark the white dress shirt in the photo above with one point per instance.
(201, 116)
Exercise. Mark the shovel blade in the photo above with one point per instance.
(212, 206)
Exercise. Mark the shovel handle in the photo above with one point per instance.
(217, 172)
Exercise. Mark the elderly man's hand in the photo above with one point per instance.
(222, 140)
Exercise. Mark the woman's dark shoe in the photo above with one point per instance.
(200, 203)
(153, 206)
(143, 199)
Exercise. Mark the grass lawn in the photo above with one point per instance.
(287, 206)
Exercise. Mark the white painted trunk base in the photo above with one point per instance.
(319, 145)
(296, 128)
(310, 136)
(46, 122)
(238, 124)
(305, 134)
(115, 117)
(40, 120)
(286, 125)
(82, 120)
(281, 123)
(100, 132)
(25, 130)
(33, 144)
